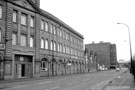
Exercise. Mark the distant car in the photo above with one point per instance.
(117, 69)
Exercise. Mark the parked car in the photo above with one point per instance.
(117, 69)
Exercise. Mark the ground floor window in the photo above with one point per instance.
(44, 65)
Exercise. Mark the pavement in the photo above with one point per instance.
(8, 83)
(122, 82)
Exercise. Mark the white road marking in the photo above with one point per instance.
(20, 86)
(55, 87)
(44, 82)
(71, 83)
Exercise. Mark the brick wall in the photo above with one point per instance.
(8, 29)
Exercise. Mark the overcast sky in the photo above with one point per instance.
(97, 20)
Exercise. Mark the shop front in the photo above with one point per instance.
(23, 66)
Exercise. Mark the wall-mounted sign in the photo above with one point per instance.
(21, 59)
(2, 46)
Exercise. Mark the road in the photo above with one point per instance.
(71, 82)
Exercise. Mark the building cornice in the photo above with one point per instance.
(49, 16)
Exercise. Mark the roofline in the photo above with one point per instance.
(52, 17)
(61, 23)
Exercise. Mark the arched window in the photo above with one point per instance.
(42, 43)
(46, 44)
(42, 24)
(63, 48)
(58, 47)
(51, 28)
(54, 46)
(0, 11)
(46, 26)
(0, 35)
(54, 29)
(44, 64)
(58, 31)
(51, 45)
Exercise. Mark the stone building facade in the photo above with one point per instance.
(106, 53)
(34, 43)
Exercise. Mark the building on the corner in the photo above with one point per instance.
(106, 53)
(34, 43)
(113, 56)
(91, 60)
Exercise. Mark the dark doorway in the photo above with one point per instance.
(23, 70)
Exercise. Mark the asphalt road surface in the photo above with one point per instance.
(71, 82)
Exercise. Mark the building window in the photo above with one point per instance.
(66, 49)
(42, 24)
(14, 39)
(71, 51)
(54, 46)
(23, 40)
(0, 35)
(43, 65)
(14, 16)
(66, 36)
(42, 43)
(58, 49)
(71, 38)
(63, 34)
(63, 48)
(54, 29)
(31, 41)
(74, 39)
(46, 26)
(32, 21)
(51, 46)
(24, 19)
(0, 11)
(60, 33)
(51, 28)
(46, 44)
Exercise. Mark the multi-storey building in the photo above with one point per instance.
(106, 53)
(91, 60)
(34, 43)
(113, 56)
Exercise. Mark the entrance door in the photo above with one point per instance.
(28, 70)
(21, 70)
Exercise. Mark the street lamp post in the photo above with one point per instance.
(129, 42)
